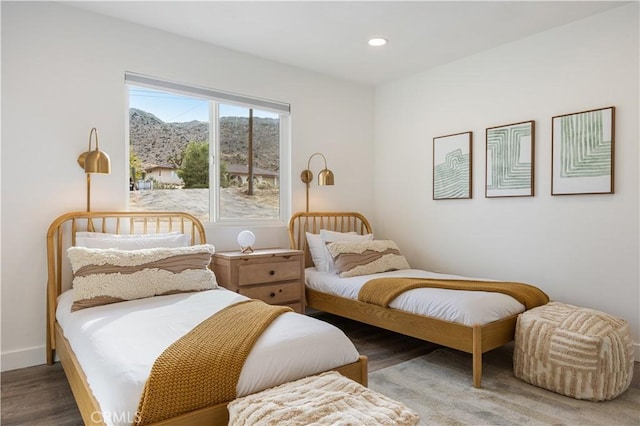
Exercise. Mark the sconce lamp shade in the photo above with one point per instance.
(97, 162)
(93, 161)
(325, 177)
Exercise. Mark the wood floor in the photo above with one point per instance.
(41, 396)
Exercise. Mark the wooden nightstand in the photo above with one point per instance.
(273, 275)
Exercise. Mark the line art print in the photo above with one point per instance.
(452, 166)
(510, 160)
(582, 152)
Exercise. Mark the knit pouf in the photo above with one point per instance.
(325, 399)
(574, 351)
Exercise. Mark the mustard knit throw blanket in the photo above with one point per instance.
(202, 368)
(381, 291)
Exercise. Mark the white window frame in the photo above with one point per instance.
(216, 97)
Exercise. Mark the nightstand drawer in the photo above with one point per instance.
(257, 273)
(274, 294)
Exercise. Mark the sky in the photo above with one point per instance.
(174, 108)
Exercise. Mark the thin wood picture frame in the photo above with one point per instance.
(510, 160)
(452, 163)
(582, 152)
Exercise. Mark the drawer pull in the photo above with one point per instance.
(273, 293)
(272, 272)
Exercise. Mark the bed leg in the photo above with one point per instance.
(477, 356)
(50, 350)
(364, 370)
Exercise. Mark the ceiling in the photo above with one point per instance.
(330, 37)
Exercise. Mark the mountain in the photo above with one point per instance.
(156, 143)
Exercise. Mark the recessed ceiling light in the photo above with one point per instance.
(377, 41)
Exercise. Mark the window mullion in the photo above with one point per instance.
(214, 161)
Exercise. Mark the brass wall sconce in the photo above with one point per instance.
(325, 177)
(94, 161)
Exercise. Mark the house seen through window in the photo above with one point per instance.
(220, 161)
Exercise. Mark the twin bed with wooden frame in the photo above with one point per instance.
(62, 234)
(476, 338)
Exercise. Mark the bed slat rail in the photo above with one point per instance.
(62, 235)
(303, 222)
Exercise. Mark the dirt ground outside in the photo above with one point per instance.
(234, 202)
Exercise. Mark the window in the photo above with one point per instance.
(220, 156)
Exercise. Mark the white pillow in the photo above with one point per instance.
(331, 236)
(103, 240)
(313, 244)
(318, 250)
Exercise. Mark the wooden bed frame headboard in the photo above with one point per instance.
(62, 235)
(313, 222)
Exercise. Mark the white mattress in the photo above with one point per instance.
(459, 306)
(117, 344)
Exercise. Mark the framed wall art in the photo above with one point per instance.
(510, 160)
(452, 166)
(582, 152)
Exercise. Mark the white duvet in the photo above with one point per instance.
(117, 344)
(459, 306)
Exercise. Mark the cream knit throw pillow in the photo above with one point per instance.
(103, 276)
(366, 257)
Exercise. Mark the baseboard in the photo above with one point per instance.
(14, 360)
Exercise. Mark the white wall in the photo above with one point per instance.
(580, 249)
(63, 73)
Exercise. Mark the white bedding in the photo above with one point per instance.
(117, 344)
(459, 306)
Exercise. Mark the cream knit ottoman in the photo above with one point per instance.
(577, 352)
(326, 399)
